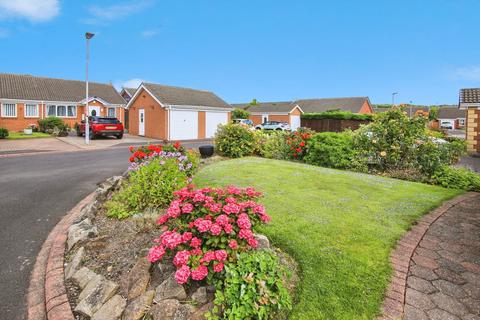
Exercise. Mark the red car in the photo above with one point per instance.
(102, 127)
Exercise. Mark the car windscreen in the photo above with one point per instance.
(106, 120)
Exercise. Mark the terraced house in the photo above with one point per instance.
(470, 101)
(25, 99)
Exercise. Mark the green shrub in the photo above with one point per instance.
(3, 133)
(150, 185)
(253, 288)
(274, 146)
(240, 114)
(341, 115)
(235, 140)
(50, 124)
(330, 149)
(457, 178)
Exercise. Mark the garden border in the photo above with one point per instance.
(394, 300)
(47, 295)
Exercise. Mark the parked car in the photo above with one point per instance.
(273, 125)
(446, 125)
(246, 122)
(101, 127)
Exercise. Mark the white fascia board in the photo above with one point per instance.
(270, 113)
(297, 106)
(38, 101)
(469, 105)
(142, 86)
(198, 108)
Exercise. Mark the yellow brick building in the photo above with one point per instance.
(470, 101)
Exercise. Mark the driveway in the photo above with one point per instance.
(456, 133)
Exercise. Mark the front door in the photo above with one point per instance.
(94, 111)
(141, 122)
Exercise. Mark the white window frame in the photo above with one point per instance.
(114, 111)
(66, 110)
(37, 112)
(3, 110)
(461, 121)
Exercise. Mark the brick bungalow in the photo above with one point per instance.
(25, 99)
(359, 105)
(287, 112)
(174, 113)
(452, 117)
(470, 101)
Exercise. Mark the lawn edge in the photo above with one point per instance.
(47, 296)
(394, 299)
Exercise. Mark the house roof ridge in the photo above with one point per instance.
(176, 87)
(52, 78)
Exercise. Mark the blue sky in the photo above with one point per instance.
(268, 50)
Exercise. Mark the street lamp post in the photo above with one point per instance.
(88, 36)
(393, 98)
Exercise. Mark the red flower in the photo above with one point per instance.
(200, 273)
(252, 242)
(176, 145)
(181, 258)
(215, 229)
(132, 159)
(233, 244)
(182, 274)
(156, 253)
(195, 242)
(131, 148)
(221, 255)
(218, 267)
(302, 144)
(298, 150)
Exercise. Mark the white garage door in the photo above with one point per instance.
(183, 125)
(212, 120)
(294, 122)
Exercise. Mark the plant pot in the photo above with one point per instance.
(27, 132)
(206, 151)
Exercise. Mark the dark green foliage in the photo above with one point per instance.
(240, 114)
(235, 140)
(49, 124)
(253, 288)
(330, 149)
(341, 115)
(457, 178)
(3, 133)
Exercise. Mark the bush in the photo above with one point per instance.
(240, 114)
(253, 288)
(206, 228)
(297, 142)
(274, 145)
(457, 178)
(341, 115)
(431, 156)
(151, 183)
(235, 140)
(330, 149)
(3, 133)
(49, 124)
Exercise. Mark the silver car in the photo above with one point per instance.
(273, 125)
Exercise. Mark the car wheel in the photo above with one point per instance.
(278, 129)
(119, 136)
(258, 128)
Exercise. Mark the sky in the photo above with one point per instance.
(426, 50)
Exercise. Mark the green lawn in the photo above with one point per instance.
(20, 135)
(340, 227)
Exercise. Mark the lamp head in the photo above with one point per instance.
(89, 35)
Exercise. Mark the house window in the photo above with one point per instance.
(31, 110)
(61, 111)
(9, 110)
(111, 112)
(461, 122)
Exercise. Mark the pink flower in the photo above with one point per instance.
(222, 220)
(230, 200)
(163, 219)
(251, 192)
(265, 218)
(231, 208)
(252, 242)
(174, 211)
(187, 236)
(218, 267)
(200, 273)
(233, 244)
(215, 229)
(181, 258)
(198, 197)
(187, 208)
(156, 253)
(196, 252)
(259, 209)
(221, 255)
(182, 274)
(233, 190)
(195, 242)
(228, 228)
(191, 225)
(243, 221)
(208, 199)
(214, 207)
(208, 256)
(245, 234)
(202, 225)
(171, 239)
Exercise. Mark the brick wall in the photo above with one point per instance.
(156, 122)
(473, 131)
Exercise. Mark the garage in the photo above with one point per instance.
(183, 125)
(294, 122)
(212, 120)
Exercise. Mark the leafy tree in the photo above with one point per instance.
(240, 114)
(433, 114)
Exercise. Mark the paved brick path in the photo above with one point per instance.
(443, 280)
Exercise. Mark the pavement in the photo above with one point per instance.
(456, 133)
(444, 273)
(472, 163)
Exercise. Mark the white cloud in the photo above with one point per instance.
(132, 83)
(104, 14)
(33, 10)
(467, 73)
(149, 33)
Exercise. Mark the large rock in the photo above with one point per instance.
(183, 312)
(137, 308)
(165, 309)
(200, 296)
(138, 278)
(199, 314)
(95, 294)
(105, 187)
(263, 242)
(83, 276)
(170, 289)
(75, 263)
(80, 232)
(166, 269)
(111, 310)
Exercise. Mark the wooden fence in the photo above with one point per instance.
(332, 125)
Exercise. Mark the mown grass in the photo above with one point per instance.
(340, 226)
(21, 135)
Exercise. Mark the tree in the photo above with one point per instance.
(240, 114)
(433, 114)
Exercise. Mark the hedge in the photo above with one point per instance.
(341, 115)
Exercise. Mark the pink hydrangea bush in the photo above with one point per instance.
(204, 228)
